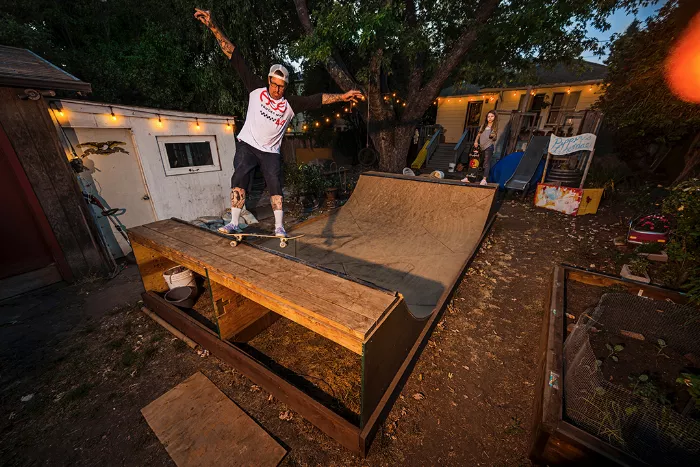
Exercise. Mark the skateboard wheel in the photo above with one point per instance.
(238, 237)
(283, 244)
(234, 243)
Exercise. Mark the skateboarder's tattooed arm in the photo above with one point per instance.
(205, 17)
(276, 202)
(237, 198)
(350, 96)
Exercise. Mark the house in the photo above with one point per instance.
(556, 100)
(47, 233)
(148, 164)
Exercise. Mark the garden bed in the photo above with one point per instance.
(616, 382)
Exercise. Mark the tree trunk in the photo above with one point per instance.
(692, 160)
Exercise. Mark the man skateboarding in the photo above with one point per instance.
(269, 113)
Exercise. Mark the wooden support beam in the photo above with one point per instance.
(332, 424)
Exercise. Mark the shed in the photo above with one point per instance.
(47, 233)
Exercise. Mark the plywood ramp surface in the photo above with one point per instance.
(406, 234)
(302, 291)
(199, 426)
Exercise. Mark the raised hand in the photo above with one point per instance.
(352, 96)
(204, 16)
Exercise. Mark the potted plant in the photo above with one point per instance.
(636, 270)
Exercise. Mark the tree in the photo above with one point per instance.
(637, 101)
(413, 47)
(150, 52)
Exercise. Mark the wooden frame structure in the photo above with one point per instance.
(554, 440)
(372, 322)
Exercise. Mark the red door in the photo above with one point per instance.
(25, 235)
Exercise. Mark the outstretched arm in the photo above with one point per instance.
(350, 96)
(205, 17)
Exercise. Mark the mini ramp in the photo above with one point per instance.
(371, 276)
(412, 235)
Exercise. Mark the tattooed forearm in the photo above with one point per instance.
(276, 202)
(223, 41)
(237, 198)
(331, 98)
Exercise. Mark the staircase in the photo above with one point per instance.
(443, 156)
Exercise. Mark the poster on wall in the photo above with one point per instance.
(558, 198)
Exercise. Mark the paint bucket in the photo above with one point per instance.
(451, 167)
(407, 171)
(183, 297)
(437, 174)
(179, 276)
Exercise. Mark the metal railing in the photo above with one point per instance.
(465, 141)
(434, 143)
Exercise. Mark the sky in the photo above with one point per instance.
(620, 21)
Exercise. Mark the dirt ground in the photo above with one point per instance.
(78, 363)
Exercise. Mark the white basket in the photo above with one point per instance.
(179, 276)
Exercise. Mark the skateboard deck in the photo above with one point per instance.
(239, 237)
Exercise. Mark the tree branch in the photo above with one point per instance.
(334, 65)
(450, 61)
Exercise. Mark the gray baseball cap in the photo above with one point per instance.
(275, 71)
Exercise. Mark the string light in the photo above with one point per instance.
(346, 110)
(114, 117)
(316, 124)
(393, 94)
(568, 91)
(448, 101)
(328, 120)
(337, 115)
(228, 124)
(160, 122)
(461, 100)
(289, 130)
(404, 104)
(398, 101)
(305, 127)
(196, 122)
(515, 93)
(60, 112)
(590, 88)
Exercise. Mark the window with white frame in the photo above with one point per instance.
(188, 154)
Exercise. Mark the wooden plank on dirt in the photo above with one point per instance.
(324, 418)
(199, 426)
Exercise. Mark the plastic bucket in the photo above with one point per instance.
(184, 297)
(179, 276)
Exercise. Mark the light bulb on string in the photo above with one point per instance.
(328, 120)
(316, 124)
(393, 94)
(114, 117)
(160, 122)
(196, 122)
(568, 91)
(60, 112)
(337, 115)
(228, 124)
(404, 104)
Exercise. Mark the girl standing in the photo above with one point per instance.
(486, 138)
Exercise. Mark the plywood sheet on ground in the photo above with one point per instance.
(403, 233)
(200, 426)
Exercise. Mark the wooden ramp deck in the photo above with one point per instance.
(340, 309)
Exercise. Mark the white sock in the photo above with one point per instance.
(279, 215)
(235, 215)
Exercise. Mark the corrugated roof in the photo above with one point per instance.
(23, 68)
(560, 74)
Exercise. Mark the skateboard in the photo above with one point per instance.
(239, 238)
(474, 164)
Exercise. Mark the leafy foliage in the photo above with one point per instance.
(637, 102)
(149, 52)
(683, 205)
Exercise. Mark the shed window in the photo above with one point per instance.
(188, 154)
